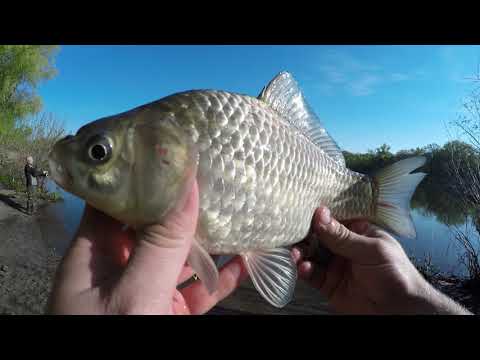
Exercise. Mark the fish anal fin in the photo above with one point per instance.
(273, 273)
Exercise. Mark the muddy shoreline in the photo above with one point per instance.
(27, 256)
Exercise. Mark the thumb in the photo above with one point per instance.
(340, 240)
(157, 261)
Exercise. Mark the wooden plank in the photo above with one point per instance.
(247, 301)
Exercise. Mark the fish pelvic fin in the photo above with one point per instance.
(203, 265)
(396, 186)
(273, 273)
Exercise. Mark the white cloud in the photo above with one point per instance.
(359, 78)
(333, 74)
(456, 71)
(364, 85)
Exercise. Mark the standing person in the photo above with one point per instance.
(31, 174)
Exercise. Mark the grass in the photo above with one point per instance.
(50, 196)
(464, 290)
(12, 183)
(13, 178)
(426, 268)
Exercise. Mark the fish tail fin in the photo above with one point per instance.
(396, 186)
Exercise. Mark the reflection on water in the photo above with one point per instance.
(437, 214)
(433, 210)
(433, 199)
(434, 239)
(68, 212)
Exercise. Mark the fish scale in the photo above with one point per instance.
(242, 127)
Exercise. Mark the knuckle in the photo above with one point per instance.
(129, 304)
(342, 233)
(385, 250)
(380, 248)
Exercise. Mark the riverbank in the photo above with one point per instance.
(27, 256)
(463, 291)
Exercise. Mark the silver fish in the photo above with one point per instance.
(263, 165)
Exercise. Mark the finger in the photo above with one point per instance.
(375, 231)
(325, 280)
(363, 227)
(296, 254)
(340, 240)
(332, 278)
(105, 234)
(156, 263)
(305, 269)
(308, 246)
(230, 277)
(186, 273)
(179, 306)
(312, 274)
(98, 249)
(360, 227)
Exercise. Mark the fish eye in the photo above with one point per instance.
(99, 149)
(98, 152)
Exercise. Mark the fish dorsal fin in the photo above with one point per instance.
(284, 96)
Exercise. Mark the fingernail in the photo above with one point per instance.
(325, 217)
(296, 254)
(305, 269)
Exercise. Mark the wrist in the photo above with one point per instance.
(423, 298)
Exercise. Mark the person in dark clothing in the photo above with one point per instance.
(31, 174)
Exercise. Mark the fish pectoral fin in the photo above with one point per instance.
(204, 266)
(273, 273)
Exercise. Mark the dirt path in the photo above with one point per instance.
(27, 260)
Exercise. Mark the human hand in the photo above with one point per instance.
(369, 272)
(110, 271)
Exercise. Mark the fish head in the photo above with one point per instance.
(133, 167)
(94, 165)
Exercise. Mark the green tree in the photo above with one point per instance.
(22, 69)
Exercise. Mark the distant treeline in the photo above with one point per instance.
(451, 188)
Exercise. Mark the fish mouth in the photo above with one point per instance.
(59, 173)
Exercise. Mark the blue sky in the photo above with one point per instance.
(365, 95)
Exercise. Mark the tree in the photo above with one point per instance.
(469, 121)
(22, 131)
(22, 69)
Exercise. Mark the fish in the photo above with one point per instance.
(263, 165)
